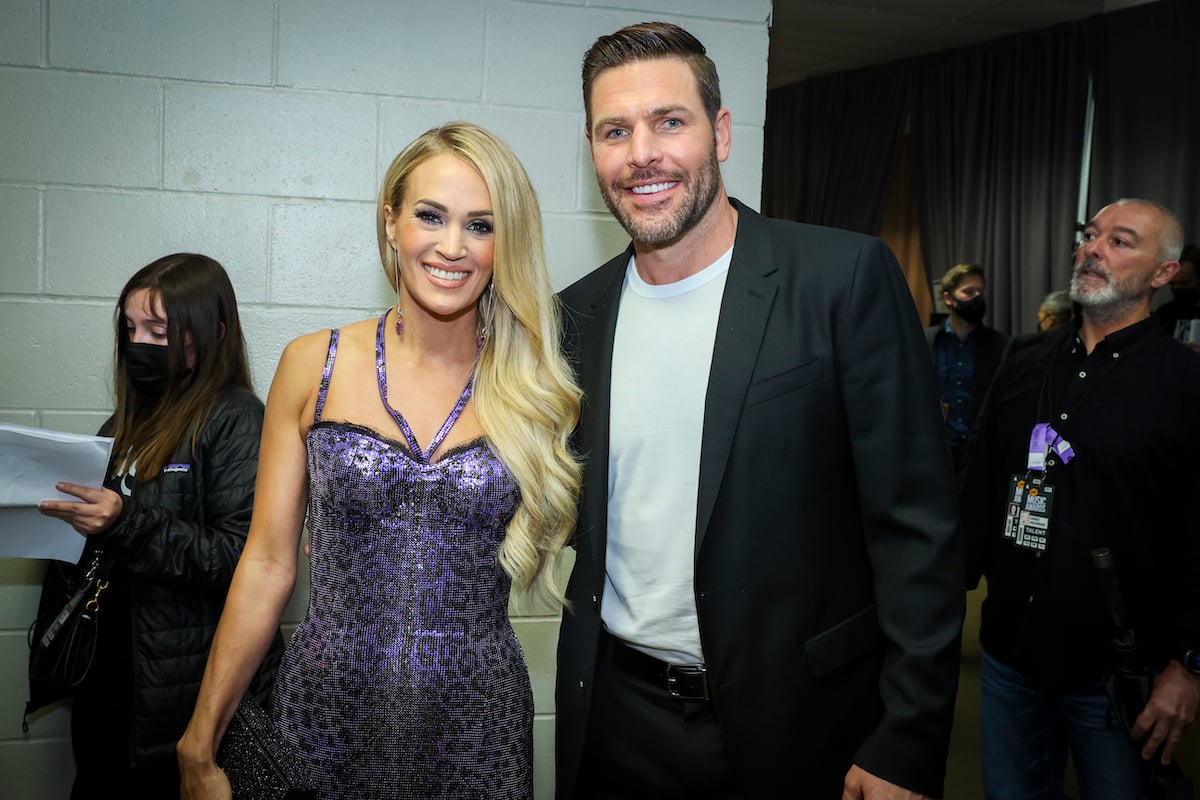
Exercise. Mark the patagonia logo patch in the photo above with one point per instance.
(177, 468)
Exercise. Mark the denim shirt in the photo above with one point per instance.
(955, 362)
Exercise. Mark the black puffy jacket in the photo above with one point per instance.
(174, 547)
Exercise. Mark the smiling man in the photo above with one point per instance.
(768, 588)
(1088, 439)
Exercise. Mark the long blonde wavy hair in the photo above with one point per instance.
(525, 394)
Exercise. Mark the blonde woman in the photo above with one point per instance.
(429, 449)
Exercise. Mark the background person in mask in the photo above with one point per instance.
(172, 518)
(966, 353)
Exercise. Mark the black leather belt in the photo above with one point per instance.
(685, 681)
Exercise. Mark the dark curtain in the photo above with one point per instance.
(1146, 74)
(998, 131)
(829, 145)
(898, 228)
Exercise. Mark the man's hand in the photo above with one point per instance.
(862, 785)
(1170, 711)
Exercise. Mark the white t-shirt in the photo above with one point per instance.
(662, 355)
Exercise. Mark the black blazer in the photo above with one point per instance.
(829, 571)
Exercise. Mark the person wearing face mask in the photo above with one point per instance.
(1184, 305)
(169, 525)
(966, 353)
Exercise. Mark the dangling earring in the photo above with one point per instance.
(487, 311)
(396, 272)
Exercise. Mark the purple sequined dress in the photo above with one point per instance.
(405, 679)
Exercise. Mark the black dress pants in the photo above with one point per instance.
(644, 743)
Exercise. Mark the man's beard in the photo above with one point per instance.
(656, 230)
(1113, 300)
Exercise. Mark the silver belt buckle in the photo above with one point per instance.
(689, 675)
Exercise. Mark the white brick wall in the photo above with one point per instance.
(257, 132)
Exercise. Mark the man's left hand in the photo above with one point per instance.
(1171, 709)
(862, 785)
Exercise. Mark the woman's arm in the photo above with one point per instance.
(265, 575)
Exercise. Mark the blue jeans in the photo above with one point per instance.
(1026, 732)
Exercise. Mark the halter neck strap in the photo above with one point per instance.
(425, 455)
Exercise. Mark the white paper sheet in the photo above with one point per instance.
(32, 461)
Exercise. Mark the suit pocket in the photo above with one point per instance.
(848, 640)
(785, 382)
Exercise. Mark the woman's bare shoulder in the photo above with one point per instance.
(315, 344)
(303, 359)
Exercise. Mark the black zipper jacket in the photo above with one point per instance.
(174, 549)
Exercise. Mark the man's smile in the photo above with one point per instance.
(652, 188)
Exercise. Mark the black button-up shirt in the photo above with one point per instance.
(1131, 412)
(954, 361)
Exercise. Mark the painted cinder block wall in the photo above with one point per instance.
(257, 132)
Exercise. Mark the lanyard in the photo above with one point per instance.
(1044, 439)
(1042, 442)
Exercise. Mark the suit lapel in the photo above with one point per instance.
(745, 308)
(597, 324)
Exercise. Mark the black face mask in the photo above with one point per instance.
(146, 366)
(972, 310)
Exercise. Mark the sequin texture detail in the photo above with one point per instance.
(405, 679)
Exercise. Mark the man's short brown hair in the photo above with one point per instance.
(648, 41)
(954, 276)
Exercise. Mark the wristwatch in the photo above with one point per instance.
(1191, 661)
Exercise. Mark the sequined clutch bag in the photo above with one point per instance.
(259, 762)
